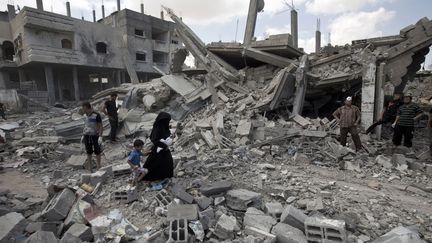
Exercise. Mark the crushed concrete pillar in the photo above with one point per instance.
(39, 4)
(379, 96)
(294, 27)
(76, 83)
(11, 11)
(251, 22)
(68, 9)
(50, 83)
(368, 93)
(301, 85)
(142, 8)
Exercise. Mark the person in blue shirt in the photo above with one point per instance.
(134, 160)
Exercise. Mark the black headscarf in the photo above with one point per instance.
(161, 127)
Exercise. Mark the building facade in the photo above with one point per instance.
(72, 59)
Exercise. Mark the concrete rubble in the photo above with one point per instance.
(256, 157)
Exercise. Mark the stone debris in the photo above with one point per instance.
(256, 153)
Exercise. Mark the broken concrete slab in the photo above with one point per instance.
(215, 188)
(242, 199)
(301, 121)
(287, 234)
(315, 205)
(77, 161)
(42, 226)
(401, 235)
(207, 218)
(42, 236)
(261, 234)
(226, 227)
(203, 202)
(257, 219)
(182, 211)
(11, 225)
(181, 194)
(59, 206)
(244, 128)
(293, 217)
(81, 231)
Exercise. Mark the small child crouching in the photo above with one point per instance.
(134, 160)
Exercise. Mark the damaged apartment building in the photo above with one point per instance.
(63, 58)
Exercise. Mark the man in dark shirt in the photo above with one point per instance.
(407, 114)
(110, 109)
(390, 112)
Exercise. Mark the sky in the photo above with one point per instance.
(216, 20)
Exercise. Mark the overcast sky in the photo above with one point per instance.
(215, 20)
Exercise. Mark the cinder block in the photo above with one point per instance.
(216, 188)
(127, 196)
(58, 208)
(325, 230)
(182, 211)
(293, 217)
(163, 198)
(178, 231)
(98, 177)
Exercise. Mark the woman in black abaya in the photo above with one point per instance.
(160, 162)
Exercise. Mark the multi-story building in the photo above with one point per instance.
(71, 59)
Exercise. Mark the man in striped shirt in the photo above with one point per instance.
(404, 124)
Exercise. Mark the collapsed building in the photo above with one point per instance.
(61, 58)
(248, 166)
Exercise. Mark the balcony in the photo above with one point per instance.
(46, 20)
(161, 46)
(37, 53)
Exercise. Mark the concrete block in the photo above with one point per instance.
(163, 198)
(68, 238)
(182, 211)
(98, 177)
(85, 178)
(178, 231)
(325, 230)
(127, 196)
(76, 214)
(257, 219)
(42, 236)
(77, 161)
(43, 226)
(108, 169)
(244, 127)
(242, 199)
(121, 169)
(301, 121)
(203, 202)
(181, 194)
(273, 209)
(226, 227)
(293, 217)
(216, 188)
(288, 234)
(11, 224)
(207, 218)
(263, 235)
(59, 206)
(315, 204)
(81, 231)
(384, 161)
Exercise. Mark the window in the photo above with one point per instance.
(139, 32)
(101, 48)
(66, 44)
(140, 56)
(94, 80)
(174, 42)
(8, 50)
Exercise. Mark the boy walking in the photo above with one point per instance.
(134, 160)
(92, 130)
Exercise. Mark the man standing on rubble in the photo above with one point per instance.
(110, 109)
(430, 128)
(389, 114)
(348, 117)
(408, 113)
(92, 131)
